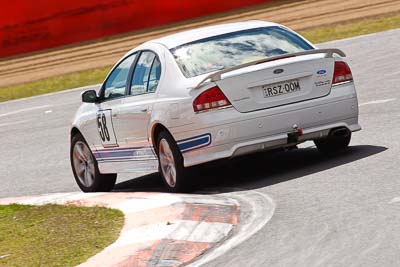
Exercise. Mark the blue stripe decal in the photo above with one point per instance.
(134, 153)
(194, 137)
(123, 148)
(110, 154)
(146, 153)
(126, 159)
(196, 142)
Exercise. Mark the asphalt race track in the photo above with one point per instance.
(337, 210)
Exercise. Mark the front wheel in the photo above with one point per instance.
(85, 168)
(171, 163)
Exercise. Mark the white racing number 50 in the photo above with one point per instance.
(105, 128)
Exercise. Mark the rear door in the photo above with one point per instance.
(277, 83)
(134, 112)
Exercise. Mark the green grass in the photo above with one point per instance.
(54, 235)
(89, 77)
(350, 29)
(54, 84)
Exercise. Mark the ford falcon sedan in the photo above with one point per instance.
(207, 94)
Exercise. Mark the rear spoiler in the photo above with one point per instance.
(216, 76)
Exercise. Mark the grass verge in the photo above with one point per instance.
(89, 77)
(54, 235)
(350, 29)
(54, 84)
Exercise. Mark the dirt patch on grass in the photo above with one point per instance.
(299, 15)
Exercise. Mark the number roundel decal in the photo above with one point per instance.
(102, 127)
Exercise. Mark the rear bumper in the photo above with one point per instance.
(234, 133)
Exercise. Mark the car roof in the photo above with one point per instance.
(177, 39)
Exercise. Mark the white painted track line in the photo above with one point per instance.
(24, 110)
(198, 231)
(381, 101)
(12, 123)
(137, 205)
(262, 209)
(193, 231)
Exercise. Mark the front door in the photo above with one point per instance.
(112, 95)
(136, 108)
(132, 119)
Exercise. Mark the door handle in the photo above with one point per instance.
(115, 115)
(143, 110)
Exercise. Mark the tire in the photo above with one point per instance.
(85, 168)
(170, 161)
(333, 143)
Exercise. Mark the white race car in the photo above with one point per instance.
(207, 94)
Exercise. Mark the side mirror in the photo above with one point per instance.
(89, 96)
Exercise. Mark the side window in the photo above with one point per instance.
(146, 74)
(116, 82)
(155, 74)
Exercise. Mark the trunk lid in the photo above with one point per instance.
(278, 83)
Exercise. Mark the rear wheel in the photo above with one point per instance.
(85, 168)
(334, 142)
(171, 163)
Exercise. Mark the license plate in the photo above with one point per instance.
(282, 88)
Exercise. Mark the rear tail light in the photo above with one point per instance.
(210, 99)
(342, 73)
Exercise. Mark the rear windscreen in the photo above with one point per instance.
(235, 48)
